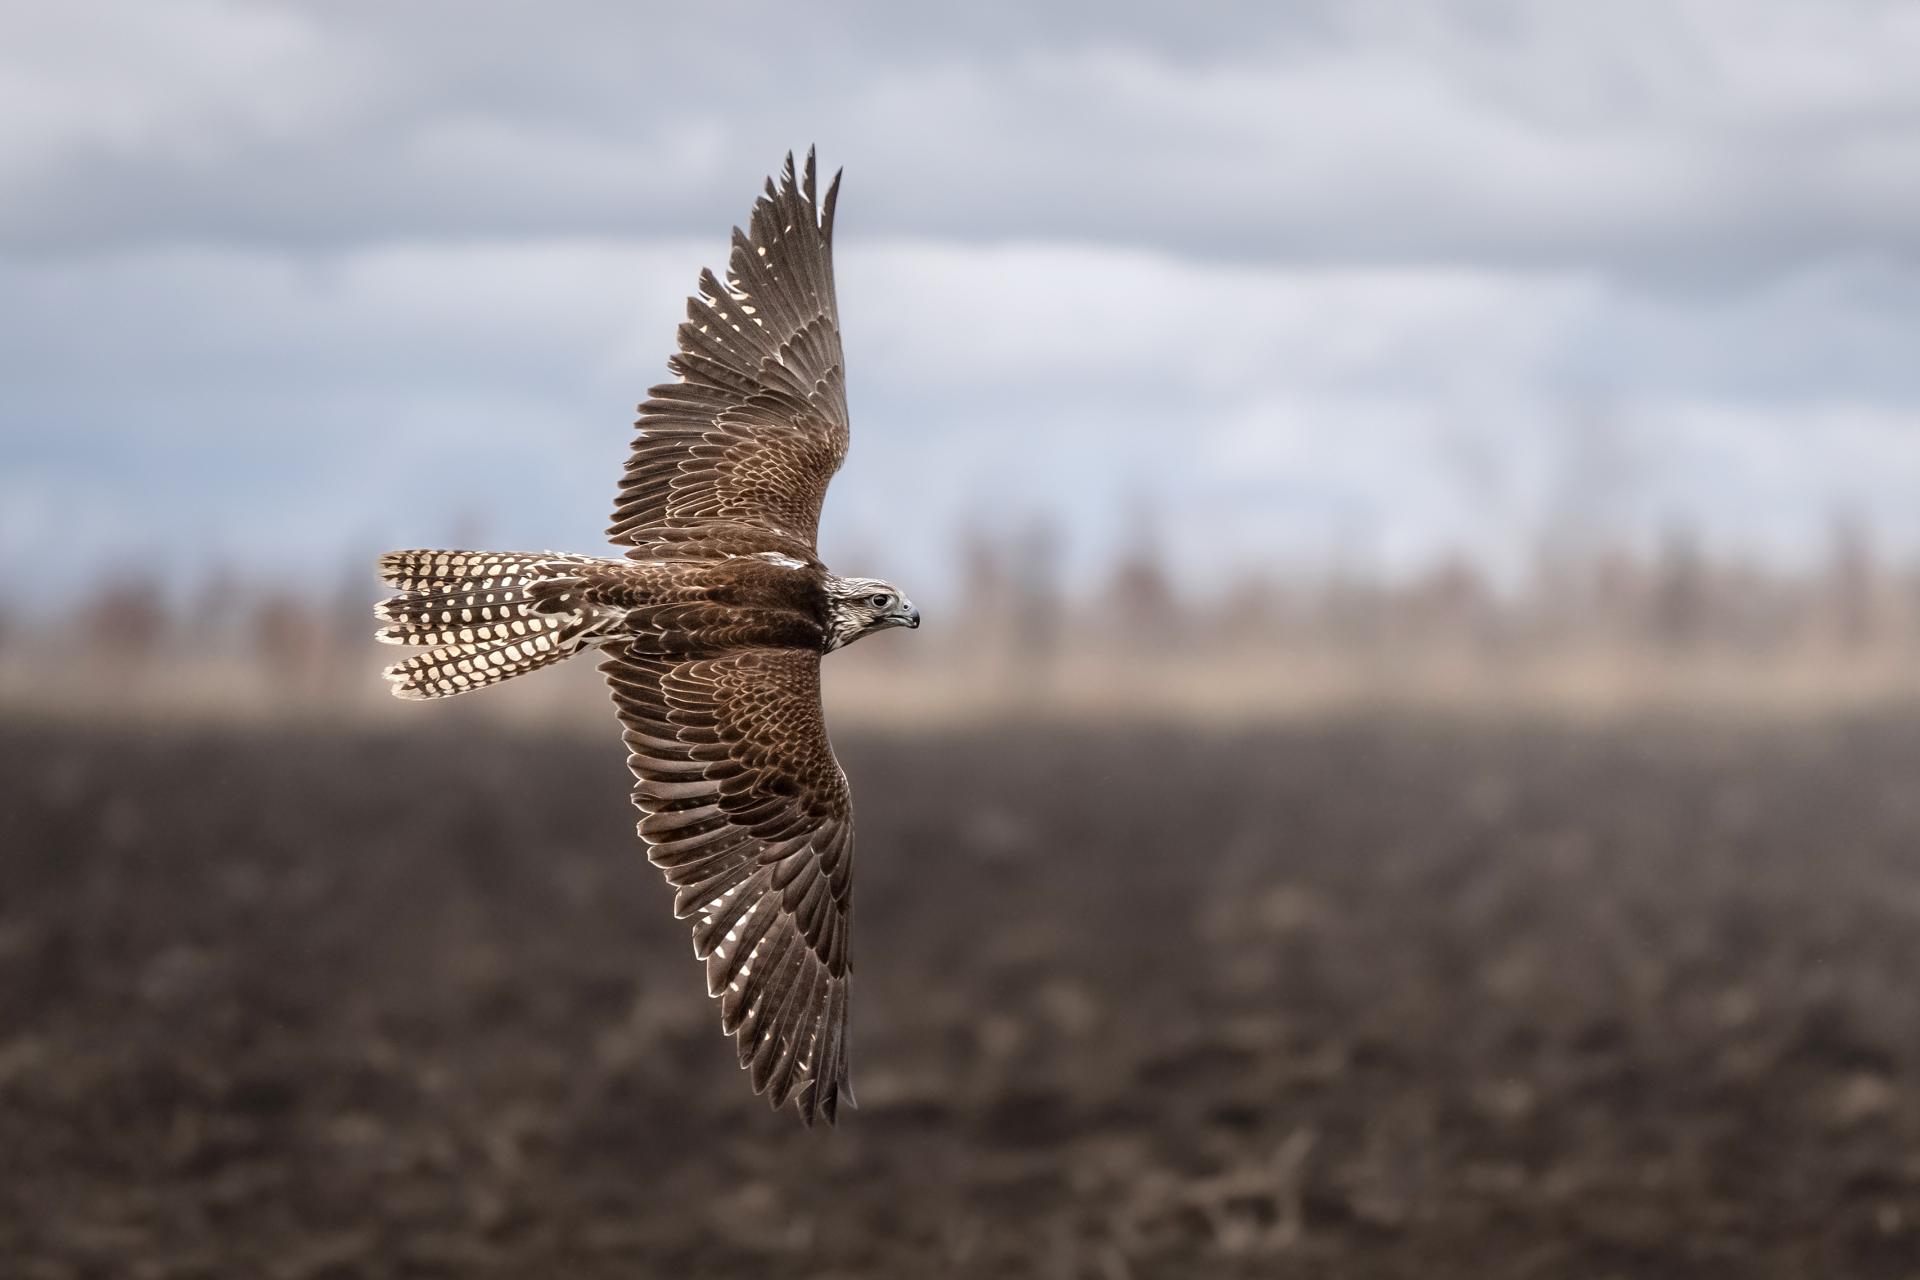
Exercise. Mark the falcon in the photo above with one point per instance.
(710, 629)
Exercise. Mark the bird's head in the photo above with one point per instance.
(861, 606)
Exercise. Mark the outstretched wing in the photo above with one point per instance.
(757, 424)
(746, 810)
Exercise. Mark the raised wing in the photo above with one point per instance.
(746, 810)
(757, 424)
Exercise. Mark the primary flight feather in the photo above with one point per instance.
(711, 631)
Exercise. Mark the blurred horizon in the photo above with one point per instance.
(1335, 285)
(1591, 629)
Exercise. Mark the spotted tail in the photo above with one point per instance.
(477, 613)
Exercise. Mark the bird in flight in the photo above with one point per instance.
(710, 630)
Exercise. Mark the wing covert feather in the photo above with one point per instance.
(747, 813)
(756, 426)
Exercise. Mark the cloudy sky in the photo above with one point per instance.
(281, 283)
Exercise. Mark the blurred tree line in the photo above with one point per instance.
(1021, 630)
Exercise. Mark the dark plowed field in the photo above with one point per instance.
(1379, 1000)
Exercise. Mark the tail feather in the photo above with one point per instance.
(478, 611)
(430, 570)
(463, 615)
(460, 667)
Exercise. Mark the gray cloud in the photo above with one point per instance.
(1710, 141)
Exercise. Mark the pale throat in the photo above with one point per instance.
(844, 626)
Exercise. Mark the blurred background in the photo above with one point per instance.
(1408, 767)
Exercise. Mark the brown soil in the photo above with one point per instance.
(1384, 999)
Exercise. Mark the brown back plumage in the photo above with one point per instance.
(712, 630)
(746, 809)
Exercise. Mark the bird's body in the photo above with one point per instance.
(711, 631)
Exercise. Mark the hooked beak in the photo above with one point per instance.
(911, 618)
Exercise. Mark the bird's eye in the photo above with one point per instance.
(880, 601)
